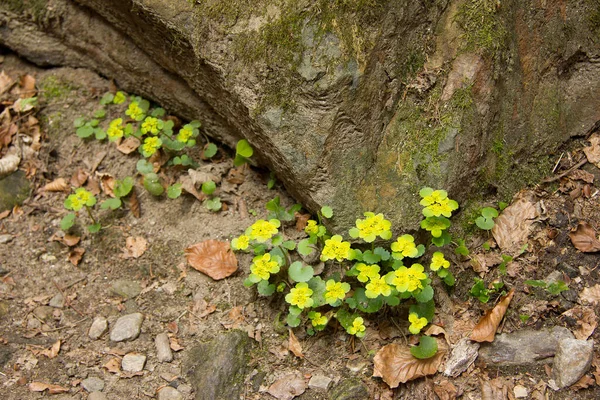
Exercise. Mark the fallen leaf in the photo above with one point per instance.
(294, 345)
(134, 204)
(485, 330)
(301, 221)
(134, 247)
(52, 389)
(79, 178)
(52, 351)
(70, 240)
(113, 366)
(481, 263)
(288, 387)
(213, 258)
(590, 295)
(173, 327)
(434, 330)
(586, 321)
(5, 82)
(4, 214)
(237, 176)
(27, 84)
(188, 185)
(395, 364)
(76, 254)
(174, 344)
(93, 186)
(445, 390)
(512, 227)
(582, 175)
(107, 183)
(129, 145)
(57, 185)
(593, 152)
(583, 383)
(584, 238)
(496, 389)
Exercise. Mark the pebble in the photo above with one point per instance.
(169, 288)
(520, 392)
(319, 382)
(98, 328)
(127, 327)
(185, 388)
(573, 359)
(5, 238)
(169, 393)
(133, 362)
(126, 289)
(463, 355)
(58, 301)
(163, 348)
(44, 313)
(92, 384)
(96, 396)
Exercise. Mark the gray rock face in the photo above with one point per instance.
(99, 326)
(126, 289)
(573, 359)
(169, 393)
(58, 301)
(127, 327)
(93, 384)
(133, 362)
(14, 189)
(523, 347)
(217, 369)
(163, 348)
(319, 382)
(349, 389)
(462, 356)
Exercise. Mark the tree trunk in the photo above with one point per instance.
(356, 104)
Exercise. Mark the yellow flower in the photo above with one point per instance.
(135, 111)
(407, 279)
(369, 228)
(262, 230)
(115, 129)
(263, 267)
(299, 296)
(240, 243)
(336, 249)
(404, 246)
(436, 225)
(358, 328)
(438, 261)
(416, 323)
(151, 125)
(311, 227)
(436, 196)
(335, 291)
(185, 134)
(376, 287)
(79, 199)
(366, 272)
(151, 145)
(317, 319)
(119, 98)
(436, 203)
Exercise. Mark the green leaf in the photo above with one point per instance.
(67, 221)
(305, 248)
(382, 253)
(79, 122)
(557, 287)
(99, 134)
(113, 204)
(365, 304)
(85, 131)
(107, 98)
(317, 285)
(210, 150)
(427, 348)
(144, 167)
(489, 212)
(123, 187)
(449, 279)
(94, 123)
(100, 114)
(152, 184)
(484, 223)
(158, 112)
(424, 310)
(248, 282)
(244, 149)
(209, 187)
(174, 191)
(213, 205)
(425, 295)
(276, 240)
(502, 205)
(326, 211)
(462, 250)
(94, 228)
(299, 272)
(289, 244)
(345, 317)
(371, 258)
(195, 124)
(443, 240)
(293, 321)
(536, 283)
(239, 160)
(265, 289)
(392, 300)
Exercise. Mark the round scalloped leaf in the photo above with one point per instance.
(210, 150)
(489, 212)
(144, 167)
(424, 310)
(354, 233)
(484, 223)
(317, 285)
(425, 295)
(244, 149)
(174, 191)
(427, 348)
(426, 191)
(326, 211)
(94, 228)
(85, 131)
(265, 289)
(300, 273)
(305, 248)
(67, 221)
(79, 122)
(113, 204)
(293, 320)
(289, 244)
(365, 304)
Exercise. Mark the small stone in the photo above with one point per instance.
(96, 396)
(33, 323)
(319, 382)
(573, 359)
(126, 289)
(462, 356)
(92, 384)
(169, 393)
(520, 391)
(58, 301)
(6, 238)
(349, 389)
(44, 313)
(127, 327)
(163, 348)
(99, 326)
(133, 362)
(184, 389)
(169, 288)
(356, 365)
(47, 257)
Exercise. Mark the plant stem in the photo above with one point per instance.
(89, 211)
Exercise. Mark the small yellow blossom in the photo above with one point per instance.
(358, 328)
(438, 261)
(407, 279)
(369, 228)
(311, 227)
(151, 125)
(437, 203)
(240, 243)
(317, 319)
(416, 323)
(185, 134)
(376, 287)
(115, 129)
(79, 199)
(262, 230)
(336, 249)
(300, 296)
(404, 246)
(263, 266)
(366, 272)
(151, 145)
(335, 291)
(119, 98)
(135, 111)
(435, 225)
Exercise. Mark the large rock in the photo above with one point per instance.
(217, 369)
(336, 97)
(14, 189)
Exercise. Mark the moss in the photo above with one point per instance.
(594, 16)
(35, 9)
(484, 29)
(54, 88)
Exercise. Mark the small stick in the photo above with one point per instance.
(567, 172)
(558, 162)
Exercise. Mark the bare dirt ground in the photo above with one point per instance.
(36, 271)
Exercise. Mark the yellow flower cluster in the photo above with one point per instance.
(436, 203)
(335, 249)
(358, 327)
(185, 134)
(300, 296)
(151, 145)
(119, 98)
(150, 125)
(335, 291)
(80, 199)
(369, 228)
(366, 272)
(316, 319)
(438, 261)
(135, 111)
(416, 323)
(404, 246)
(262, 230)
(376, 287)
(311, 227)
(407, 279)
(240, 243)
(263, 266)
(115, 129)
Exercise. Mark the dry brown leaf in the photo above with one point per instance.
(512, 227)
(301, 221)
(4, 214)
(434, 330)
(213, 258)
(52, 351)
(5, 82)
(129, 145)
(173, 327)
(188, 185)
(79, 177)
(288, 387)
(481, 263)
(93, 186)
(294, 345)
(586, 321)
(593, 152)
(174, 344)
(591, 295)
(57, 185)
(237, 176)
(445, 390)
(395, 364)
(585, 382)
(107, 183)
(582, 175)
(485, 330)
(584, 238)
(27, 84)
(134, 247)
(70, 240)
(113, 366)
(134, 204)
(52, 389)
(76, 254)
